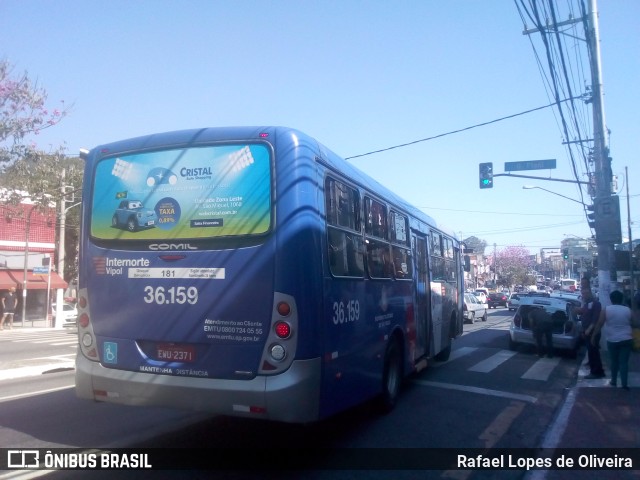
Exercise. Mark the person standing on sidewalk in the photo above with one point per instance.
(9, 304)
(589, 316)
(615, 320)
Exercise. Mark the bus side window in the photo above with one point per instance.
(376, 218)
(400, 254)
(437, 259)
(449, 263)
(378, 261)
(402, 264)
(346, 254)
(346, 250)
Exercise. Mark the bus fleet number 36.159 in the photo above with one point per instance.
(346, 311)
(171, 295)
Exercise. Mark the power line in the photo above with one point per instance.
(459, 130)
(545, 214)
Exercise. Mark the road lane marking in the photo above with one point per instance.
(455, 354)
(491, 435)
(478, 390)
(33, 394)
(541, 370)
(493, 361)
(501, 424)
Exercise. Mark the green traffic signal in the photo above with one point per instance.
(486, 175)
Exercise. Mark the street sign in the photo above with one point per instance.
(530, 165)
(40, 270)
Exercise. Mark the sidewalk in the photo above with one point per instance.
(33, 322)
(39, 322)
(596, 415)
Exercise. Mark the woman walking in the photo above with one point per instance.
(615, 320)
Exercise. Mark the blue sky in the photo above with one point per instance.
(357, 75)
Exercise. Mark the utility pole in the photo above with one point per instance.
(632, 284)
(606, 206)
(61, 250)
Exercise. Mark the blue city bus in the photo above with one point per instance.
(252, 272)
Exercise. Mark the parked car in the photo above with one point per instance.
(497, 300)
(69, 313)
(473, 309)
(567, 329)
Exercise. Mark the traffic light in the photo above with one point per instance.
(565, 253)
(486, 175)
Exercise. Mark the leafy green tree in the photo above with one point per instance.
(478, 246)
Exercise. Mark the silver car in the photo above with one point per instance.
(567, 329)
(473, 308)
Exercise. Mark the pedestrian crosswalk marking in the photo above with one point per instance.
(52, 337)
(492, 362)
(541, 370)
(455, 354)
(478, 390)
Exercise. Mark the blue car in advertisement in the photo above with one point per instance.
(132, 215)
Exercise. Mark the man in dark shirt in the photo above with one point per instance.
(589, 313)
(9, 303)
(542, 326)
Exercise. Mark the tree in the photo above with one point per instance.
(512, 265)
(22, 113)
(25, 171)
(478, 246)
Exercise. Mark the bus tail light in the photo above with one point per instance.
(83, 320)
(282, 329)
(284, 309)
(86, 337)
(281, 342)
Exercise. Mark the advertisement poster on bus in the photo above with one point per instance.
(190, 193)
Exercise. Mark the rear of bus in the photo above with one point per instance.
(189, 294)
(568, 285)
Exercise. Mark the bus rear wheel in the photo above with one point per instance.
(391, 376)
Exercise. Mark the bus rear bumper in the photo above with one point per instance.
(292, 396)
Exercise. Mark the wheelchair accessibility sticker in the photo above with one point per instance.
(110, 352)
